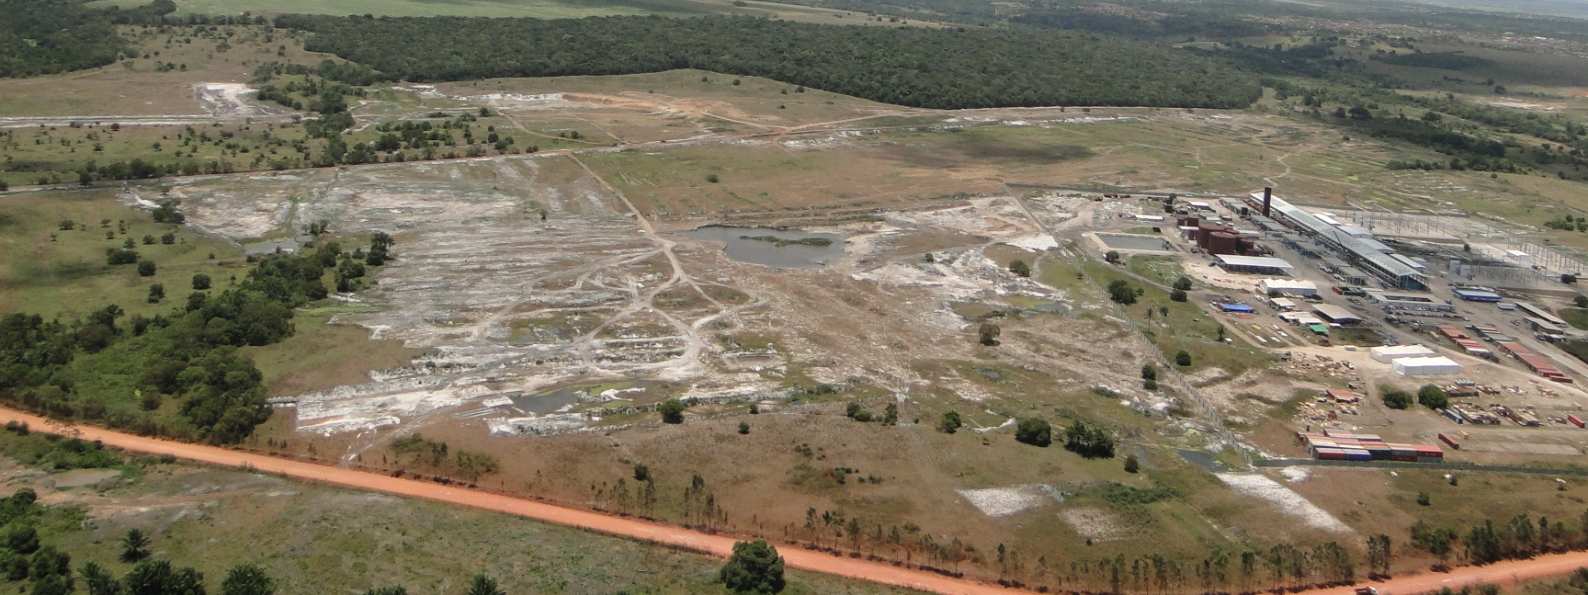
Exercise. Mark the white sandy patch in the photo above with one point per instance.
(1095, 524)
(1261, 487)
(998, 502)
(1295, 474)
(1036, 242)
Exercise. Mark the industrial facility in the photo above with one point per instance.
(1259, 265)
(1356, 245)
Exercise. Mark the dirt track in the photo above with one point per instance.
(1502, 574)
(717, 545)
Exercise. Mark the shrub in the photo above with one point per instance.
(988, 334)
(146, 268)
(1395, 398)
(1432, 397)
(1131, 464)
(1019, 267)
(950, 422)
(1090, 441)
(1182, 359)
(1034, 431)
(672, 411)
(1121, 292)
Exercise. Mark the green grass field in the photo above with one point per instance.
(321, 355)
(49, 271)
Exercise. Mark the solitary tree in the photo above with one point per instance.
(672, 411)
(156, 293)
(1121, 292)
(989, 333)
(754, 567)
(201, 282)
(1433, 397)
(1395, 398)
(950, 422)
(1019, 267)
(146, 268)
(247, 579)
(484, 585)
(744, 427)
(1182, 359)
(134, 546)
(1034, 431)
(1131, 464)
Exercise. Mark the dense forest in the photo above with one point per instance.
(907, 66)
(1442, 60)
(48, 36)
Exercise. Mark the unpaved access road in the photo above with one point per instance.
(1502, 574)
(716, 545)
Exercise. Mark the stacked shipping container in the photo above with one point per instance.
(1467, 343)
(1343, 446)
(1539, 363)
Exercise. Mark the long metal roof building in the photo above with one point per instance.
(1373, 256)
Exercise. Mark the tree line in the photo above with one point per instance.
(905, 66)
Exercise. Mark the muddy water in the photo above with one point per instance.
(776, 248)
(544, 403)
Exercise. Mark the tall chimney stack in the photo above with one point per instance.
(1268, 200)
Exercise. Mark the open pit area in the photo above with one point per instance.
(793, 265)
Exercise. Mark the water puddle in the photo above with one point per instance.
(544, 403)
(776, 248)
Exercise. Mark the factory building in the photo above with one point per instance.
(1414, 303)
(1389, 353)
(1361, 250)
(1474, 294)
(1336, 314)
(1284, 287)
(1259, 265)
(1426, 366)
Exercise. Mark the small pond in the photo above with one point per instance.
(544, 403)
(776, 248)
(1120, 241)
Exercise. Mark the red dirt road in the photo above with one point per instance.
(1504, 573)
(1499, 574)
(716, 545)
